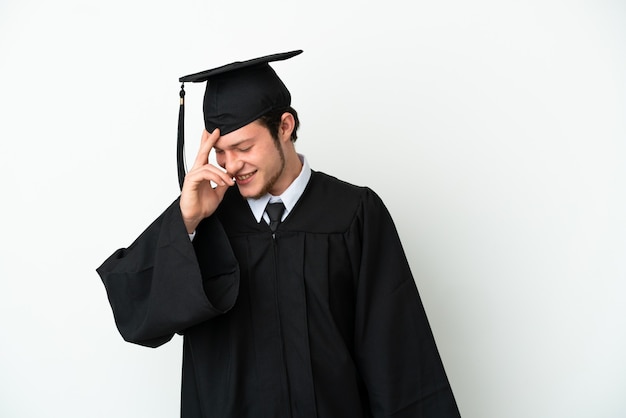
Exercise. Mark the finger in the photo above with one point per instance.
(221, 191)
(219, 172)
(209, 172)
(206, 143)
(203, 153)
(213, 136)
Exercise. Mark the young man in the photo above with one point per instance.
(291, 287)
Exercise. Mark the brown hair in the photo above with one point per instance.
(271, 120)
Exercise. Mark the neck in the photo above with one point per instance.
(291, 170)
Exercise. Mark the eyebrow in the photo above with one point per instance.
(235, 145)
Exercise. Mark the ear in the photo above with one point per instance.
(287, 125)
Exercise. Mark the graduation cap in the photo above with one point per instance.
(236, 94)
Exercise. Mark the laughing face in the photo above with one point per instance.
(254, 159)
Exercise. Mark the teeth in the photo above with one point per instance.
(245, 176)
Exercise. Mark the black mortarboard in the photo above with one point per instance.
(236, 94)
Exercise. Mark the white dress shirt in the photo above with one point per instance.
(289, 197)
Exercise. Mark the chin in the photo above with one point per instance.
(257, 188)
(247, 192)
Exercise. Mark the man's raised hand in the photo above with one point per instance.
(199, 198)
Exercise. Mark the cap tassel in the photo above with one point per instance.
(180, 146)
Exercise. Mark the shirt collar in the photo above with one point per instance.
(289, 197)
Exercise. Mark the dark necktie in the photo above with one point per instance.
(275, 213)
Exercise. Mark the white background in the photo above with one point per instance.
(494, 131)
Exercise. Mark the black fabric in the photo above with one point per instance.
(238, 93)
(327, 320)
(237, 65)
(275, 213)
(180, 143)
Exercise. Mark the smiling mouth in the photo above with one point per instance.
(245, 177)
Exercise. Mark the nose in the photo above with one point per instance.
(231, 163)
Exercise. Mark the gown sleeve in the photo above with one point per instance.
(394, 346)
(163, 283)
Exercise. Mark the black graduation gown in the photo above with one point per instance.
(322, 320)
